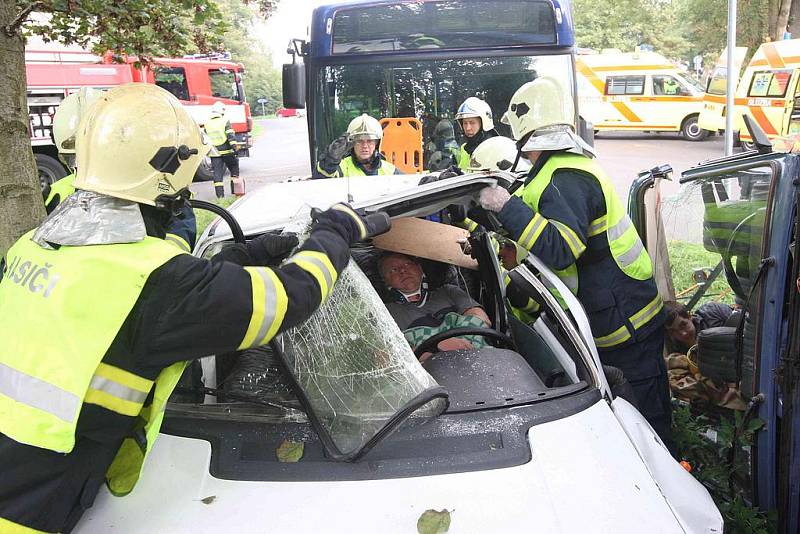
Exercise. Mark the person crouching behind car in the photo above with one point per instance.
(421, 313)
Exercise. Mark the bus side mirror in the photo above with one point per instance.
(294, 86)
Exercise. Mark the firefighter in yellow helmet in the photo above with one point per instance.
(569, 215)
(81, 405)
(223, 154)
(356, 152)
(65, 125)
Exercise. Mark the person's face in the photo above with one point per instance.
(682, 330)
(401, 273)
(532, 155)
(508, 257)
(471, 126)
(364, 148)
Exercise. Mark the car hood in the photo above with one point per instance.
(584, 476)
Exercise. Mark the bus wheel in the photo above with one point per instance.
(50, 169)
(691, 131)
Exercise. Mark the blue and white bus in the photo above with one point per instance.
(422, 59)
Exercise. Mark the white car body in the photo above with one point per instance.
(600, 470)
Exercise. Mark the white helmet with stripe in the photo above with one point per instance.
(475, 107)
(496, 154)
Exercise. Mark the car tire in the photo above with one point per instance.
(691, 131)
(748, 145)
(49, 169)
(205, 172)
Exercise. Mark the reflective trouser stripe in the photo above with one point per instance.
(644, 315)
(598, 226)
(178, 241)
(219, 184)
(345, 209)
(269, 307)
(632, 254)
(319, 266)
(620, 335)
(572, 239)
(39, 394)
(118, 390)
(9, 527)
(532, 232)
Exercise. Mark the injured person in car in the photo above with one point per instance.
(421, 313)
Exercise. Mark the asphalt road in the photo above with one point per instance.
(281, 152)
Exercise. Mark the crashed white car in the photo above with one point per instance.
(336, 427)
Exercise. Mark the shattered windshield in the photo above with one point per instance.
(355, 368)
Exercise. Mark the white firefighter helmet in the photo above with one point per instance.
(475, 107)
(217, 109)
(138, 143)
(364, 127)
(538, 105)
(496, 154)
(68, 117)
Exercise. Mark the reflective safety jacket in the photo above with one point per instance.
(92, 342)
(569, 215)
(63, 188)
(221, 134)
(349, 166)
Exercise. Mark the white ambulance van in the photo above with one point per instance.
(712, 117)
(639, 91)
(768, 91)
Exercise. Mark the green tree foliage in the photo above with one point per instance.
(261, 79)
(144, 28)
(624, 24)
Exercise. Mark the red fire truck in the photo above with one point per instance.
(197, 81)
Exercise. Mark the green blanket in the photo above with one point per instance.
(418, 334)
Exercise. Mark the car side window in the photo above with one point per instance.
(625, 85)
(668, 86)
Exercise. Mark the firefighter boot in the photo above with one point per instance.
(219, 187)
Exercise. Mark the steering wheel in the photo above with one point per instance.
(730, 272)
(434, 340)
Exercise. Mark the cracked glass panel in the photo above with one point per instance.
(356, 369)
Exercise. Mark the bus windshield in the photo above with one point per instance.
(429, 90)
(443, 24)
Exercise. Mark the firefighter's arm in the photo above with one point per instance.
(182, 229)
(230, 133)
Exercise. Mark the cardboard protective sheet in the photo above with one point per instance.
(426, 239)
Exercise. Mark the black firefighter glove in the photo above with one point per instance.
(449, 172)
(265, 250)
(337, 150)
(271, 249)
(343, 220)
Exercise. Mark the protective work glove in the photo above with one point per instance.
(265, 250)
(342, 219)
(435, 177)
(270, 249)
(50, 206)
(493, 198)
(338, 148)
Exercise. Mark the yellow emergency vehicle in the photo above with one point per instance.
(768, 90)
(639, 91)
(712, 117)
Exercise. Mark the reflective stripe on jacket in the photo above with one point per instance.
(619, 307)
(349, 167)
(221, 134)
(45, 380)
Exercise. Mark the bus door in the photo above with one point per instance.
(791, 116)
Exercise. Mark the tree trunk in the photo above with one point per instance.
(772, 17)
(794, 17)
(21, 206)
(783, 19)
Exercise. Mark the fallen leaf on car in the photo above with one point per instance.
(209, 500)
(289, 451)
(433, 522)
